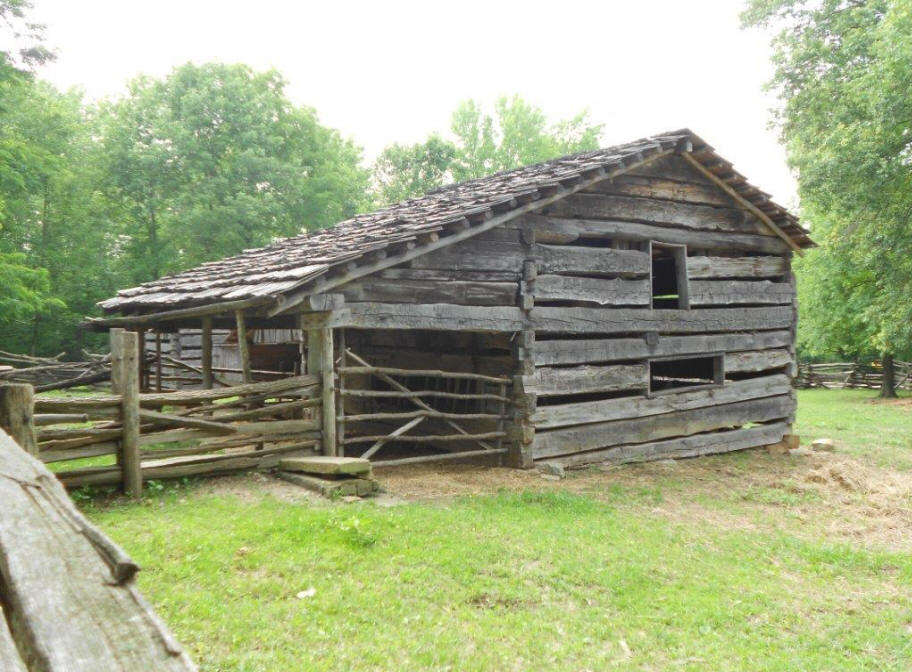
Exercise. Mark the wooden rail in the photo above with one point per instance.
(154, 435)
(851, 375)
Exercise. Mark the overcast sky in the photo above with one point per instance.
(392, 70)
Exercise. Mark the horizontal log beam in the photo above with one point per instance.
(581, 351)
(710, 218)
(632, 320)
(604, 410)
(581, 438)
(735, 292)
(704, 268)
(602, 291)
(567, 230)
(689, 446)
(548, 381)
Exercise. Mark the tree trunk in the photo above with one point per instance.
(888, 386)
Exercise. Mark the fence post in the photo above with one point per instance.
(125, 373)
(17, 404)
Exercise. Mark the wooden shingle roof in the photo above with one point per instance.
(266, 274)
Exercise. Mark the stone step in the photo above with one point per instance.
(360, 487)
(324, 464)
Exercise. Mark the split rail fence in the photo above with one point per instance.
(163, 435)
(851, 375)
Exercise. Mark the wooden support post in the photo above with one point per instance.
(207, 353)
(158, 360)
(320, 360)
(128, 375)
(17, 402)
(143, 367)
(116, 359)
(340, 404)
(243, 349)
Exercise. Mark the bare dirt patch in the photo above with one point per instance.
(812, 494)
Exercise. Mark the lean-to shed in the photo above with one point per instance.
(629, 303)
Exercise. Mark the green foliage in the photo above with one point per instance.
(517, 134)
(844, 81)
(215, 159)
(404, 171)
(201, 165)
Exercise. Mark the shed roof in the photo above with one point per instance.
(268, 273)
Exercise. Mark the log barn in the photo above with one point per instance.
(624, 304)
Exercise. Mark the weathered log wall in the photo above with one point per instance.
(572, 286)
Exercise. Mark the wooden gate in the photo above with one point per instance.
(446, 410)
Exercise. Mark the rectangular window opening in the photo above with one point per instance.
(668, 277)
(685, 373)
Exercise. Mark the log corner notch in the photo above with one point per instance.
(66, 590)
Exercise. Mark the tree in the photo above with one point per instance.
(517, 134)
(404, 171)
(844, 81)
(215, 159)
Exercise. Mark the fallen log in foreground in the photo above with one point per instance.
(67, 596)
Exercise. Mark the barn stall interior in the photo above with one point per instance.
(626, 304)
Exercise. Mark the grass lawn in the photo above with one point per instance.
(740, 562)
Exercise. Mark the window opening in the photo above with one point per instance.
(685, 373)
(668, 277)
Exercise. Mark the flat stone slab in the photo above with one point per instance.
(325, 464)
(359, 487)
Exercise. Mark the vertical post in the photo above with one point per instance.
(158, 360)
(243, 349)
(340, 404)
(17, 404)
(143, 368)
(126, 345)
(207, 353)
(116, 359)
(320, 360)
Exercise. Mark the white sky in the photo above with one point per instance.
(393, 70)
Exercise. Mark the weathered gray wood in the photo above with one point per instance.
(243, 349)
(598, 206)
(505, 256)
(434, 316)
(733, 292)
(432, 373)
(652, 428)
(757, 360)
(736, 267)
(287, 302)
(672, 167)
(603, 291)
(17, 401)
(689, 446)
(568, 230)
(431, 291)
(581, 351)
(564, 319)
(665, 189)
(9, 655)
(320, 356)
(590, 260)
(68, 592)
(632, 320)
(129, 410)
(441, 457)
(604, 410)
(550, 381)
(206, 343)
(757, 212)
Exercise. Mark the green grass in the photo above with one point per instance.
(864, 426)
(550, 580)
